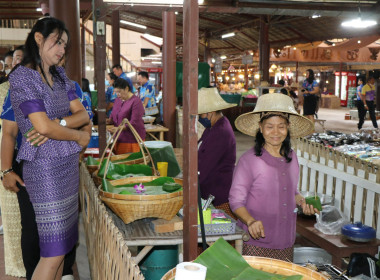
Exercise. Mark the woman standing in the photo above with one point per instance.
(367, 96)
(127, 105)
(217, 148)
(264, 188)
(42, 98)
(310, 91)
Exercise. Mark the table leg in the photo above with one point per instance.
(142, 254)
(239, 245)
(161, 136)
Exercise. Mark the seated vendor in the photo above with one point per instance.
(216, 148)
(127, 105)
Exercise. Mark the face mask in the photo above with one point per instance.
(7, 71)
(107, 83)
(205, 122)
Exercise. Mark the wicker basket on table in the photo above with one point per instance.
(133, 207)
(271, 266)
(121, 159)
(146, 158)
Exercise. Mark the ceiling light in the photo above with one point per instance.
(359, 41)
(156, 62)
(333, 44)
(228, 35)
(359, 23)
(294, 48)
(315, 16)
(133, 24)
(39, 9)
(176, 12)
(213, 60)
(223, 57)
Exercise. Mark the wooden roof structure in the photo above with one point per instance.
(290, 22)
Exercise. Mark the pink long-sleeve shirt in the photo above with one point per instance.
(266, 186)
(133, 110)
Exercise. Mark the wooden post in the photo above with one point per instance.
(100, 16)
(68, 12)
(190, 111)
(264, 49)
(169, 56)
(115, 37)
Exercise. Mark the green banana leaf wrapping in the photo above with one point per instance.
(153, 187)
(119, 171)
(91, 161)
(224, 262)
(315, 201)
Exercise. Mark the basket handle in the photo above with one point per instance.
(117, 132)
(107, 145)
(143, 147)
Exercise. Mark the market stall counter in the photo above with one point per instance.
(337, 245)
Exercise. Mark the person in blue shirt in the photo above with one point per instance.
(110, 94)
(84, 94)
(118, 71)
(147, 90)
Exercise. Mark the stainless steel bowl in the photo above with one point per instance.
(317, 256)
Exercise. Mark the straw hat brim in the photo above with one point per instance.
(299, 126)
(219, 107)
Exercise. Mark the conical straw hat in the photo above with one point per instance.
(209, 100)
(299, 126)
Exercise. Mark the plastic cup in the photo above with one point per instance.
(162, 168)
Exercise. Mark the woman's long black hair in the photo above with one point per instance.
(311, 76)
(32, 58)
(260, 141)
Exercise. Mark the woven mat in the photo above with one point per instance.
(10, 214)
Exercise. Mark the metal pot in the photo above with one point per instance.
(317, 256)
(359, 232)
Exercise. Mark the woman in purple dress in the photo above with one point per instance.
(42, 98)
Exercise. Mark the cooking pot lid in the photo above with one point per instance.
(358, 230)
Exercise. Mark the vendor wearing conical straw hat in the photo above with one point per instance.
(216, 148)
(264, 188)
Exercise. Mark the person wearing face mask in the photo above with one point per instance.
(216, 148)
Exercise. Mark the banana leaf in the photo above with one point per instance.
(315, 201)
(224, 262)
(119, 171)
(91, 161)
(153, 187)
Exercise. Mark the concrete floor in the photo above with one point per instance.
(334, 121)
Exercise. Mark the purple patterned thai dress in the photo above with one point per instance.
(51, 172)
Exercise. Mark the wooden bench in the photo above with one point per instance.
(336, 245)
(321, 123)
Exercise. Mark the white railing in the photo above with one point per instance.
(354, 184)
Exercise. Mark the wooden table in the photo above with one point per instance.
(140, 233)
(151, 129)
(336, 245)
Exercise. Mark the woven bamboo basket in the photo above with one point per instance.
(145, 159)
(133, 207)
(272, 266)
(144, 150)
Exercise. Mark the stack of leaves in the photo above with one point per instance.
(119, 171)
(224, 262)
(92, 161)
(161, 185)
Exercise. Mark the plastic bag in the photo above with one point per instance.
(330, 220)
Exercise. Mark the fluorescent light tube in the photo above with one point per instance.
(228, 35)
(133, 24)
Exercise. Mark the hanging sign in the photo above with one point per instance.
(247, 59)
